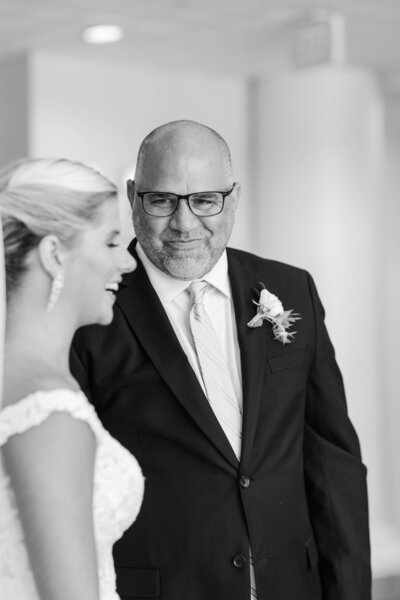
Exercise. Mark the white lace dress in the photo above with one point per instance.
(118, 492)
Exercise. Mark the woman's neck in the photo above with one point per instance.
(44, 337)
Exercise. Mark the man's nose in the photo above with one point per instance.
(183, 219)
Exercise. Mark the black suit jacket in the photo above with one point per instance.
(298, 496)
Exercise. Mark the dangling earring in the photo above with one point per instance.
(56, 288)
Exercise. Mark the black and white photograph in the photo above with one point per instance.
(199, 292)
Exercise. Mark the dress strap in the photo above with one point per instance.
(37, 407)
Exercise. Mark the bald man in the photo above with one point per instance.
(254, 480)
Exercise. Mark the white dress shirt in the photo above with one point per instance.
(218, 304)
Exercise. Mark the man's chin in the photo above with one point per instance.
(187, 269)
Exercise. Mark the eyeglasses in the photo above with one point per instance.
(202, 204)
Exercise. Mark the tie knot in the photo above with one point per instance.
(197, 289)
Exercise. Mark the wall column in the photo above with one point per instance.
(320, 160)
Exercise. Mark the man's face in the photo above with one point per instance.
(184, 245)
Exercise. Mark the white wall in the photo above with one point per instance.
(389, 293)
(13, 109)
(99, 113)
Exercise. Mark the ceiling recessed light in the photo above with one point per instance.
(102, 34)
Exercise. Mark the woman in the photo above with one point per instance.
(68, 490)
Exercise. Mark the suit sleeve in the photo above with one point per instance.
(335, 476)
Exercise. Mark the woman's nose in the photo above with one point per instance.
(127, 263)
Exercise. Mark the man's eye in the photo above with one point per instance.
(204, 201)
(205, 197)
(161, 200)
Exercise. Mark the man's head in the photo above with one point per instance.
(183, 157)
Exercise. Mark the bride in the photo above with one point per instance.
(68, 490)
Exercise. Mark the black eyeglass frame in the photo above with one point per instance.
(187, 198)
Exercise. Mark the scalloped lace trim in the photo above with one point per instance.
(117, 496)
(35, 408)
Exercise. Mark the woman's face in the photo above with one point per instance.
(96, 265)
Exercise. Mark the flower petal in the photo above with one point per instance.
(255, 321)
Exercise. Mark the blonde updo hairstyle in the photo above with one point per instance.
(39, 197)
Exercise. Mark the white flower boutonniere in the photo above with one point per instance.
(269, 308)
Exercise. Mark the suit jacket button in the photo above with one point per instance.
(239, 561)
(244, 481)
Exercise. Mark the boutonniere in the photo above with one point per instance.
(269, 308)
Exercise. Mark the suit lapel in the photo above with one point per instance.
(253, 348)
(147, 318)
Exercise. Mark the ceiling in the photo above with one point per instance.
(248, 37)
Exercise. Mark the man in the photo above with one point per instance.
(245, 442)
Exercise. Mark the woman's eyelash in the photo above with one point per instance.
(112, 245)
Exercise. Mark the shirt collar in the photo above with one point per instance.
(168, 288)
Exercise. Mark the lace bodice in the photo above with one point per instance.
(117, 493)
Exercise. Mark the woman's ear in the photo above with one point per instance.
(51, 254)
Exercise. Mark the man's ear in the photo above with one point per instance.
(130, 190)
(236, 195)
(50, 251)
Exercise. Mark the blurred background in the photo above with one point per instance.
(307, 95)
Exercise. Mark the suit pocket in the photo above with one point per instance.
(138, 583)
(289, 360)
(312, 554)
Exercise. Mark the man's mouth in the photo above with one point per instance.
(184, 243)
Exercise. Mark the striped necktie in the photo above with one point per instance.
(217, 381)
(214, 370)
